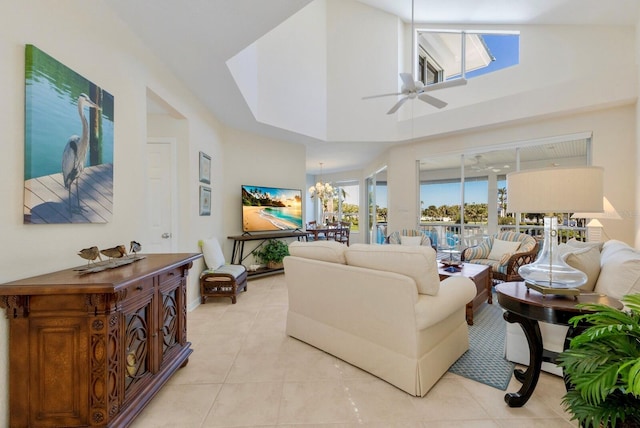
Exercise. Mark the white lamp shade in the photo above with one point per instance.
(555, 190)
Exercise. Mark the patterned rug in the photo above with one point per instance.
(484, 362)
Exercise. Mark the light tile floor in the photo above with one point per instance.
(245, 372)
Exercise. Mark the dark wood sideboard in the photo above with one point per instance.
(93, 349)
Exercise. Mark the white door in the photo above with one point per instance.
(160, 197)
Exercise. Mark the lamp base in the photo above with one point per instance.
(545, 290)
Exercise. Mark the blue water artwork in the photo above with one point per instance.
(68, 163)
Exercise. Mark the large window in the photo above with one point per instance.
(479, 207)
(441, 54)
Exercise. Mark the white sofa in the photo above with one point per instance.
(381, 308)
(612, 268)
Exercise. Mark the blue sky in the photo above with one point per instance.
(443, 194)
(506, 50)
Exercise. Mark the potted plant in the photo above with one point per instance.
(272, 253)
(602, 366)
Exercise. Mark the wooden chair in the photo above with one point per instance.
(345, 230)
(220, 279)
(314, 236)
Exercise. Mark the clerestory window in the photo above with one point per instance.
(442, 55)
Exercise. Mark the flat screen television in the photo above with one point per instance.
(271, 209)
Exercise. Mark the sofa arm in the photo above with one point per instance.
(455, 292)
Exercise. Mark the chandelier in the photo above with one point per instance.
(322, 191)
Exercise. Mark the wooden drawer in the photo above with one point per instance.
(170, 276)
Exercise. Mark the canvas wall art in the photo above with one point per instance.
(69, 121)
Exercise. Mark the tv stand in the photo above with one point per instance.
(238, 256)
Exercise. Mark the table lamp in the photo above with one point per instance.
(554, 190)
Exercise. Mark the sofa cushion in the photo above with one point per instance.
(612, 249)
(419, 263)
(581, 244)
(327, 251)
(620, 270)
(500, 248)
(585, 259)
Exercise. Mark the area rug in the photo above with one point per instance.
(484, 361)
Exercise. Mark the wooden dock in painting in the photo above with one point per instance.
(47, 201)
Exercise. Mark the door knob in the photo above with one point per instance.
(166, 235)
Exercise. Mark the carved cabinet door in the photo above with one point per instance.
(140, 335)
(173, 326)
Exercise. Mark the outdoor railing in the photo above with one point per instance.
(449, 235)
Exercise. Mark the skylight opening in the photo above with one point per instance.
(441, 53)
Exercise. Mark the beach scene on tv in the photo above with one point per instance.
(271, 209)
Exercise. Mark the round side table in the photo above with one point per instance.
(527, 307)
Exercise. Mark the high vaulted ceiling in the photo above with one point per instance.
(195, 38)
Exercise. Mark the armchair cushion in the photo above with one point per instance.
(419, 263)
(212, 252)
(480, 251)
(396, 237)
(233, 270)
(501, 248)
(414, 241)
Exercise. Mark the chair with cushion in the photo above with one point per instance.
(342, 234)
(220, 279)
(505, 252)
(409, 237)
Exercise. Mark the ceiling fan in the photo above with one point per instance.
(412, 88)
(481, 165)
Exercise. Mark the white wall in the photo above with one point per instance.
(86, 37)
(256, 160)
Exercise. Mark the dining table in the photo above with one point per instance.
(322, 232)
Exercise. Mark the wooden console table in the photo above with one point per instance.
(91, 350)
(237, 254)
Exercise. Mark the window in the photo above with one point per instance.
(442, 53)
(480, 207)
(429, 72)
(349, 203)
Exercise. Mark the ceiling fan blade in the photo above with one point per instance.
(381, 95)
(446, 84)
(407, 80)
(397, 105)
(432, 100)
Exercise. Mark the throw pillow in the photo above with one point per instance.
(327, 251)
(500, 248)
(413, 241)
(213, 256)
(585, 259)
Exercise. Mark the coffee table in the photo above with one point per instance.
(480, 275)
(527, 307)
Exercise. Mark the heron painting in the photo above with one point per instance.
(68, 144)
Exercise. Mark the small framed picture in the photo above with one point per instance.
(205, 168)
(205, 200)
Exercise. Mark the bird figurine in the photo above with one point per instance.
(90, 254)
(135, 247)
(75, 152)
(115, 252)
